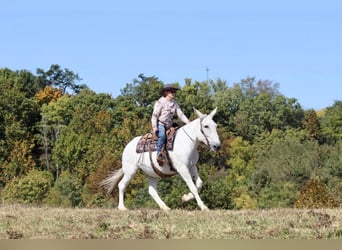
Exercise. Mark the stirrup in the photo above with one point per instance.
(161, 159)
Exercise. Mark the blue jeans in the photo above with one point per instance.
(161, 137)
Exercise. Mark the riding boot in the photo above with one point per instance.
(161, 159)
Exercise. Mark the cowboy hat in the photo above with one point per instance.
(169, 87)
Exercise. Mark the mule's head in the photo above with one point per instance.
(208, 130)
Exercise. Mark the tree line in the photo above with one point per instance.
(59, 139)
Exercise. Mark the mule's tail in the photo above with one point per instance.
(112, 180)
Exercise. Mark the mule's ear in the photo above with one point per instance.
(199, 114)
(213, 112)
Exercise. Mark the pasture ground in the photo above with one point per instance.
(25, 222)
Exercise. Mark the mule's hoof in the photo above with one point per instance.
(186, 197)
(122, 208)
(204, 208)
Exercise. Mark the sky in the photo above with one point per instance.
(108, 43)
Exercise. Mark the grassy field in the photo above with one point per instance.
(20, 222)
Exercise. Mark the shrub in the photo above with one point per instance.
(216, 191)
(67, 192)
(243, 200)
(278, 195)
(315, 195)
(31, 189)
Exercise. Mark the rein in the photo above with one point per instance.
(188, 135)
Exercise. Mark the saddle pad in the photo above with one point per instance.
(149, 143)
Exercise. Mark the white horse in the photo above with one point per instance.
(184, 158)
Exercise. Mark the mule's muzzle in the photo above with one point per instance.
(216, 147)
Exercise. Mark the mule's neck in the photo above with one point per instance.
(192, 132)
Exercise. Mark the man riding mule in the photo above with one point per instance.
(184, 158)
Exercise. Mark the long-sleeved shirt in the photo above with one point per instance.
(164, 111)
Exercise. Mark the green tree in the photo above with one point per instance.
(60, 78)
(18, 117)
(283, 159)
(263, 113)
(216, 192)
(228, 101)
(332, 122)
(19, 162)
(67, 192)
(312, 124)
(31, 189)
(252, 107)
(143, 90)
(278, 195)
(242, 164)
(331, 171)
(252, 88)
(56, 116)
(195, 95)
(88, 116)
(137, 99)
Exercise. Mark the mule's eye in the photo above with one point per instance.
(206, 126)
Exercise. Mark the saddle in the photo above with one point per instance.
(149, 141)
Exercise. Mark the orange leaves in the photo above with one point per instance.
(315, 195)
(48, 95)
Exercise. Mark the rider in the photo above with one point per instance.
(163, 112)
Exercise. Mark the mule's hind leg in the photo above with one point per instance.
(152, 190)
(197, 180)
(129, 173)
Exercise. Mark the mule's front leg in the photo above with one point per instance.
(185, 174)
(197, 180)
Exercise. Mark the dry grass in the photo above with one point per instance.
(19, 222)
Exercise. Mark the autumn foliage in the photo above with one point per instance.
(59, 139)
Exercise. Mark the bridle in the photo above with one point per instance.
(202, 131)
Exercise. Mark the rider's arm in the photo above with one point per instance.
(155, 115)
